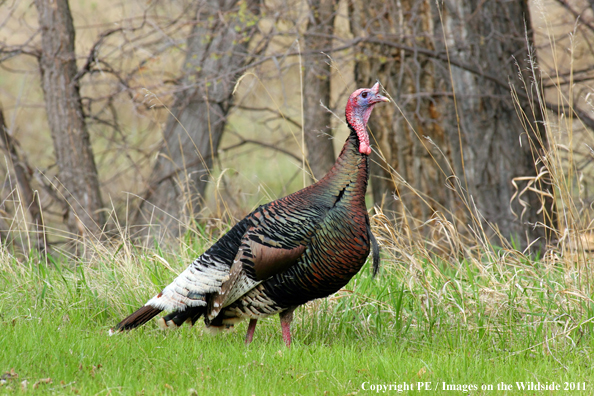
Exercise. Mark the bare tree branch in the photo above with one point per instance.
(23, 175)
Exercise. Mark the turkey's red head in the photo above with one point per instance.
(358, 110)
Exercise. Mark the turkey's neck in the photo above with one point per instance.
(350, 173)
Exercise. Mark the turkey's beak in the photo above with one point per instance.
(378, 98)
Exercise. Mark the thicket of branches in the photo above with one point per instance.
(122, 116)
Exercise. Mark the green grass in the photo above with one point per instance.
(54, 324)
(80, 357)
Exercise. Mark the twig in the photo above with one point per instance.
(249, 108)
(576, 14)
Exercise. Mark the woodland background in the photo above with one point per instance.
(147, 119)
(135, 133)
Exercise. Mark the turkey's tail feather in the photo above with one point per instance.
(375, 251)
(170, 321)
(178, 318)
(138, 318)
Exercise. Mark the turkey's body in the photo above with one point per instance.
(304, 246)
(326, 223)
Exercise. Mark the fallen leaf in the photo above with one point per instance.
(42, 381)
(9, 375)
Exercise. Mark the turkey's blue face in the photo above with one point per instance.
(358, 110)
(365, 98)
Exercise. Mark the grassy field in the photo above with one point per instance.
(453, 328)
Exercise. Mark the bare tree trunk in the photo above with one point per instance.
(316, 87)
(216, 48)
(426, 148)
(77, 172)
(495, 148)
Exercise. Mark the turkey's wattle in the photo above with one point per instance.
(304, 246)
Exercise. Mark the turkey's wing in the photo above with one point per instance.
(253, 264)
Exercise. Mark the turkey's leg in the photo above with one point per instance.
(285, 319)
(250, 332)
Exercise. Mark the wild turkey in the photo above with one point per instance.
(290, 251)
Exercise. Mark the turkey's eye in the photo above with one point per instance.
(364, 95)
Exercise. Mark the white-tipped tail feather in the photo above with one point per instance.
(190, 288)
